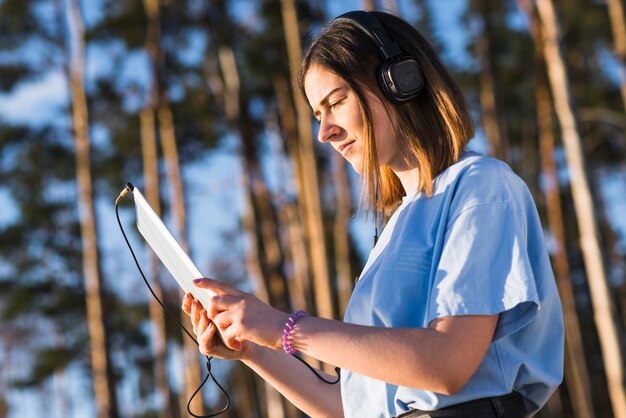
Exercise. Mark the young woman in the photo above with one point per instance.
(456, 313)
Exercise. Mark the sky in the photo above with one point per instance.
(213, 182)
(213, 206)
(41, 102)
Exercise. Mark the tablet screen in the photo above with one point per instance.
(169, 251)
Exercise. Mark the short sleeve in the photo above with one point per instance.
(484, 268)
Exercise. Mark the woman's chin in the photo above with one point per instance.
(357, 166)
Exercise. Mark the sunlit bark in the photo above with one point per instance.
(368, 4)
(102, 376)
(576, 373)
(300, 283)
(492, 122)
(309, 180)
(343, 209)
(162, 114)
(390, 6)
(264, 257)
(148, 134)
(604, 311)
(177, 202)
(618, 26)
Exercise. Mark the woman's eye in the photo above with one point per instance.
(335, 104)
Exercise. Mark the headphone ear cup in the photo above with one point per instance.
(400, 80)
(383, 84)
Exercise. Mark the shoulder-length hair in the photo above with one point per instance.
(432, 129)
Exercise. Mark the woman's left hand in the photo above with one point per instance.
(241, 317)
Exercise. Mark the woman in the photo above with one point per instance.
(456, 312)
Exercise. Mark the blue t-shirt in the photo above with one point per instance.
(476, 247)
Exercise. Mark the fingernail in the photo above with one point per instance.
(197, 280)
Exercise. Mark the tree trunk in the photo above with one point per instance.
(604, 311)
(309, 180)
(300, 291)
(227, 90)
(300, 286)
(165, 121)
(342, 243)
(151, 187)
(177, 202)
(273, 405)
(264, 257)
(266, 234)
(390, 6)
(491, 120)
(576, 373)
(103, 383)
(157, 315)
(253, 256)
(618, 26)
(368, 5)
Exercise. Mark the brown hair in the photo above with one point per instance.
(433, 129)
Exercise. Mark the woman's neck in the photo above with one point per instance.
(409, 178)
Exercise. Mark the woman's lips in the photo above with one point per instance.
(344, 148)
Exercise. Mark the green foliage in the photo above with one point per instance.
(41, 278)
(16, 19)
(48, 361)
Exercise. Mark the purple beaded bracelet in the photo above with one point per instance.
(291, 322)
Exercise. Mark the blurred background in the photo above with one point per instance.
(191, 100)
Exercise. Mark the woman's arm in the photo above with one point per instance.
(440, 358)
(287, 374)
(297, 383)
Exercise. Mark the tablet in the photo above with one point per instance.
(169, 251)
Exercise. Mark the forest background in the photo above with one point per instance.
(191, 101)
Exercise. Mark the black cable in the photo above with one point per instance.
(208, 363)
(319, 376)
(208, 359)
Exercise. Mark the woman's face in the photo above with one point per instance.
(336, 107)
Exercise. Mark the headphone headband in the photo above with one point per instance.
(399, 77)
(374, 30)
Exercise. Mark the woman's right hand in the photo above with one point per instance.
(209, 340)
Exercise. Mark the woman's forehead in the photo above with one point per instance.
(320, 82)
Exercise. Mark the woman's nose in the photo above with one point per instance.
(327, 130)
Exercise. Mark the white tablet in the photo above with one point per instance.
(169, 251)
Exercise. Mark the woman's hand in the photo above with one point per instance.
(209, 341)
(242, 317)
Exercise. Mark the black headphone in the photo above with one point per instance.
(399, 77)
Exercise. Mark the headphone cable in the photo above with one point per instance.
(172, 316)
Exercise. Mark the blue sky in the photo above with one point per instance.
(41, 102)
(213, 189)
(214, 181)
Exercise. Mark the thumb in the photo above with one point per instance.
(216, 286)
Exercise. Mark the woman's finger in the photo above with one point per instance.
(187, 300)
(231, 342)
(229, 335)
(216, 286)
(221, 303)
(222, 320)
(196, 309)
(202, 323)
(206, 342)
